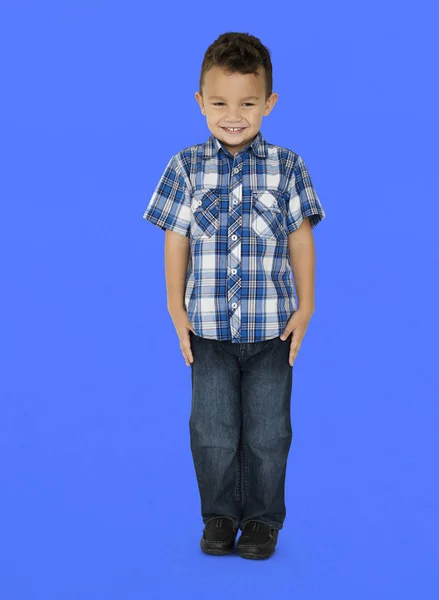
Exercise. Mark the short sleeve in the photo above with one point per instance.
(170, 206)
(303, 199)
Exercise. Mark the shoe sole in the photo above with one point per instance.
(217, 549)
(255, 554)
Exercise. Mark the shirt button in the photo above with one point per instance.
(235, 171)
(234, 305)
(233, 271)
(235, 201)
(200, 202)
(234, 237)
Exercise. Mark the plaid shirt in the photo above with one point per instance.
(237, 212)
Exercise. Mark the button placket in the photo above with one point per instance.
(234, 254)
(237, 169)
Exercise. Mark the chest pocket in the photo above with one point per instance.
(205, 212)
(267, 216)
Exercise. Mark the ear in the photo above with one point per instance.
(199, 99)
(269, 104)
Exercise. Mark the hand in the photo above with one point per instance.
(183, 325)
(297, 324)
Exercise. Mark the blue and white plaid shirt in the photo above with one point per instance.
(237, 212)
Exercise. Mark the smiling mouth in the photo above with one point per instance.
(234, 129)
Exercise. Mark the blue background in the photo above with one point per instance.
(99, 498)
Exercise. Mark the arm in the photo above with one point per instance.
(302, 258)
(176, 262)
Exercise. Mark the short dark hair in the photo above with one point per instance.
(239, 52)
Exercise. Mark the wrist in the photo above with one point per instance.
(176, 309)
(306, 309)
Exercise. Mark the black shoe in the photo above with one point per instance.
(257, 540)
(219, 535)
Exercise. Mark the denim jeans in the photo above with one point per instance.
(240, 427)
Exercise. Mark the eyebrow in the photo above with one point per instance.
(221, 98)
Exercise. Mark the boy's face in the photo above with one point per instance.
(234, 100)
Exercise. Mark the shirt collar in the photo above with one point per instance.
(213, 145)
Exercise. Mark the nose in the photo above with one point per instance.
(233, 115)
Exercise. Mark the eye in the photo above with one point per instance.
(218, 103)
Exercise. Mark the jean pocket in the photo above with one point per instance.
(267, 217)
(205, 213)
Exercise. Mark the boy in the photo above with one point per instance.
(238, 213)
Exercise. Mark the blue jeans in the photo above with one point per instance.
(240, 427)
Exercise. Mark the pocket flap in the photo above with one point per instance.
(267, 199)
(205, 198)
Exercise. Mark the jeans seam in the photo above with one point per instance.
(238, 482)
(246, 472)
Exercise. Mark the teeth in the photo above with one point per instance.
(233, 128)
